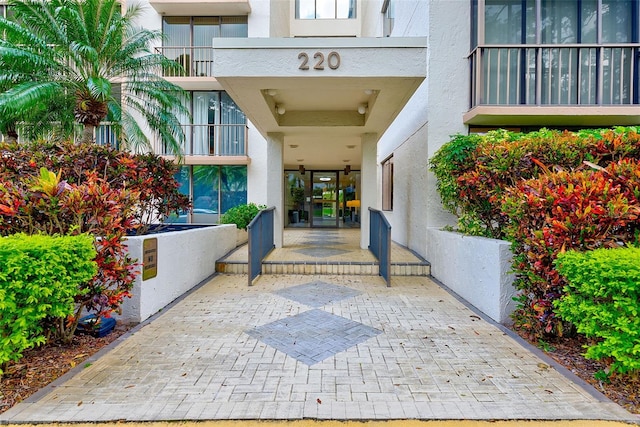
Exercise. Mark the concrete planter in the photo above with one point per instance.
(476, 268)
(182, 260)
(242, 237)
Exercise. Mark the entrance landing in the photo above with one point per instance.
(325, 251)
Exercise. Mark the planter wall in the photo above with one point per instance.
(476, 268)
(184, 259)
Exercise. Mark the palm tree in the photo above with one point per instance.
(80, 51)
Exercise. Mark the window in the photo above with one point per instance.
(210, 188)
(188, 40)
(387, 184)
(580, 57)
(325, 9)
(217, 126)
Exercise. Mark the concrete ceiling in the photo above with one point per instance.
(318, 112)
(201, 7)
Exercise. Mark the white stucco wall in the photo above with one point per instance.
(476, 268)
(433, 114)
(258, 21)
(448, 82)
(185, 258)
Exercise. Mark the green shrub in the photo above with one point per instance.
(65, 188)
(560, 211)
(39, 281)
(474, 171)
(602, 299)
(241, 215)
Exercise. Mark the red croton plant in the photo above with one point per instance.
(587, 209)
(71, 189)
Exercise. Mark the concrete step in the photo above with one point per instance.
(326, 267)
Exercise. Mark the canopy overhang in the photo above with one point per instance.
(322, 94)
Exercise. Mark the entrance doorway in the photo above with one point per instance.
(322, 198)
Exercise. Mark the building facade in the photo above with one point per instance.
(335, 106)
(325, 108)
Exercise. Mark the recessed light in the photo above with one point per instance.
(272, 92)
(346, 161)
(293, 145)
(368, 91)
(325, 178)
(299, 160)
(351, 146)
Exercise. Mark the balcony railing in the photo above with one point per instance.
(213, 140)
(197, 61)
(578, 74)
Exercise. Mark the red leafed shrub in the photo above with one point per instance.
(72, 189)
(148, 174)
(499, 160)
(46, 204)
(582, 210)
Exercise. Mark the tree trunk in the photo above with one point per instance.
(87, 134)
(11, 136)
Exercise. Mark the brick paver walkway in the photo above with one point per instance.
(424, 355)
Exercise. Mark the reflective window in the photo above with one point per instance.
(325, 9)
(208, 188)
(233, 185)
(573, 60)
(217, 126)
(188, 40)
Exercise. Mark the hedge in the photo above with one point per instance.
(602, 299)
(39, 280)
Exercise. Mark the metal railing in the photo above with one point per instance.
(102, 135)
(559, 74)
(213, 140)
(380, 242)
(106, 135)
(261, 242)
(196, 61)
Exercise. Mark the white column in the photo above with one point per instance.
(274, 182)
(368, 184)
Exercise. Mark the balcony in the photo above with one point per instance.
(196, 61)
(201, 7)
(213, 144)
(581, 84)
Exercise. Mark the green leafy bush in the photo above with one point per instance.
(64, 188)
(40, 277)
(148, 175)
(474, 171)
(553, 213)
(602, 298)
(241, 215)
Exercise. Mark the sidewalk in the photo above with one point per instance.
(348, 348)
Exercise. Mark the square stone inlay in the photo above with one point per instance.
(313, 335)
(317, 294)
(321, 252)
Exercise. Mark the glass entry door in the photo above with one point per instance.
(324, 199)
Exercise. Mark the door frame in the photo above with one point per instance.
(336, 201)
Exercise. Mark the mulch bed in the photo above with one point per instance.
(41, 366)
(568, 352)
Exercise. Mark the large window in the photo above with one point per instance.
(213, 190)
(584, 52)
(188, 40)
(217, 126)
(387, 184)
(325, 9)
